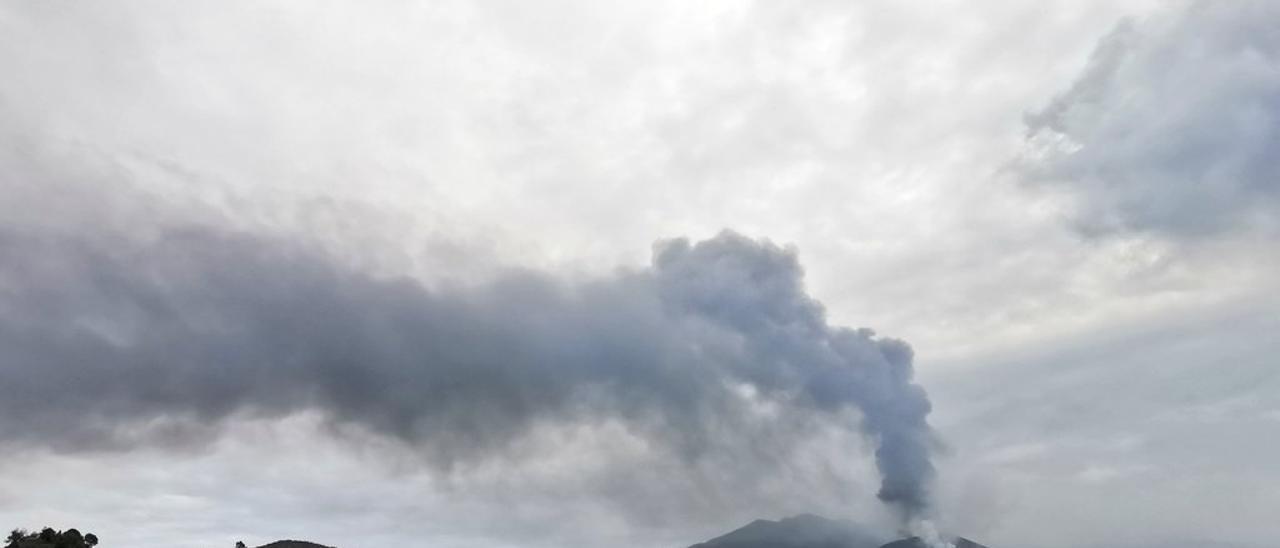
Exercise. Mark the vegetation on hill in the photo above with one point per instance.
(71, 538)
(49, 538)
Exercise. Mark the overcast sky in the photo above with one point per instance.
(377, 273)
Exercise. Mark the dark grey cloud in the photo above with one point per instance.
(122, 331)
(1173, 126)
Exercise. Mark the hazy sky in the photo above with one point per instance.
(394, 272)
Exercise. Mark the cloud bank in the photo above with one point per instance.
(1174, 126)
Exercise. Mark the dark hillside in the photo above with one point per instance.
(293, 544)
(803, 531)
(810, 531)
(914, 542)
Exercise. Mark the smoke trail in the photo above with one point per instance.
(927, 532)
(756, 290)
(113, 339)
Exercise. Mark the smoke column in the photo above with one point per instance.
(115, 338)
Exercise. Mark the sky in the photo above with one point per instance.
(569, 273)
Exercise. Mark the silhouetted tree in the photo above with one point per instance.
(71, 538)
(51, 538)
(240, 544)
(14, 537)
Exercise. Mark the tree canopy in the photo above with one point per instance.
(50, 538)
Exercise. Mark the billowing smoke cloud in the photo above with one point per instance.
(1173, 126)
(113, 339)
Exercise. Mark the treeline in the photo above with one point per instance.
(49, 538)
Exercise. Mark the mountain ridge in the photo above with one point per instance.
(801, 531)
(915, 542)
(812, 531)
(293, 544)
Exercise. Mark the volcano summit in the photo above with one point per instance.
(810, 531)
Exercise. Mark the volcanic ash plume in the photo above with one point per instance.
(925, 530)
(190, 326)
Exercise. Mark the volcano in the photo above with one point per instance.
(915, 542)
(293, 544)
(802, 531)
(810, 531)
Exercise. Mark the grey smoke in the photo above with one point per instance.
(118, 338)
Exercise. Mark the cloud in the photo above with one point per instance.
(1115, 427)
(341, 144)
(1173, 127)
